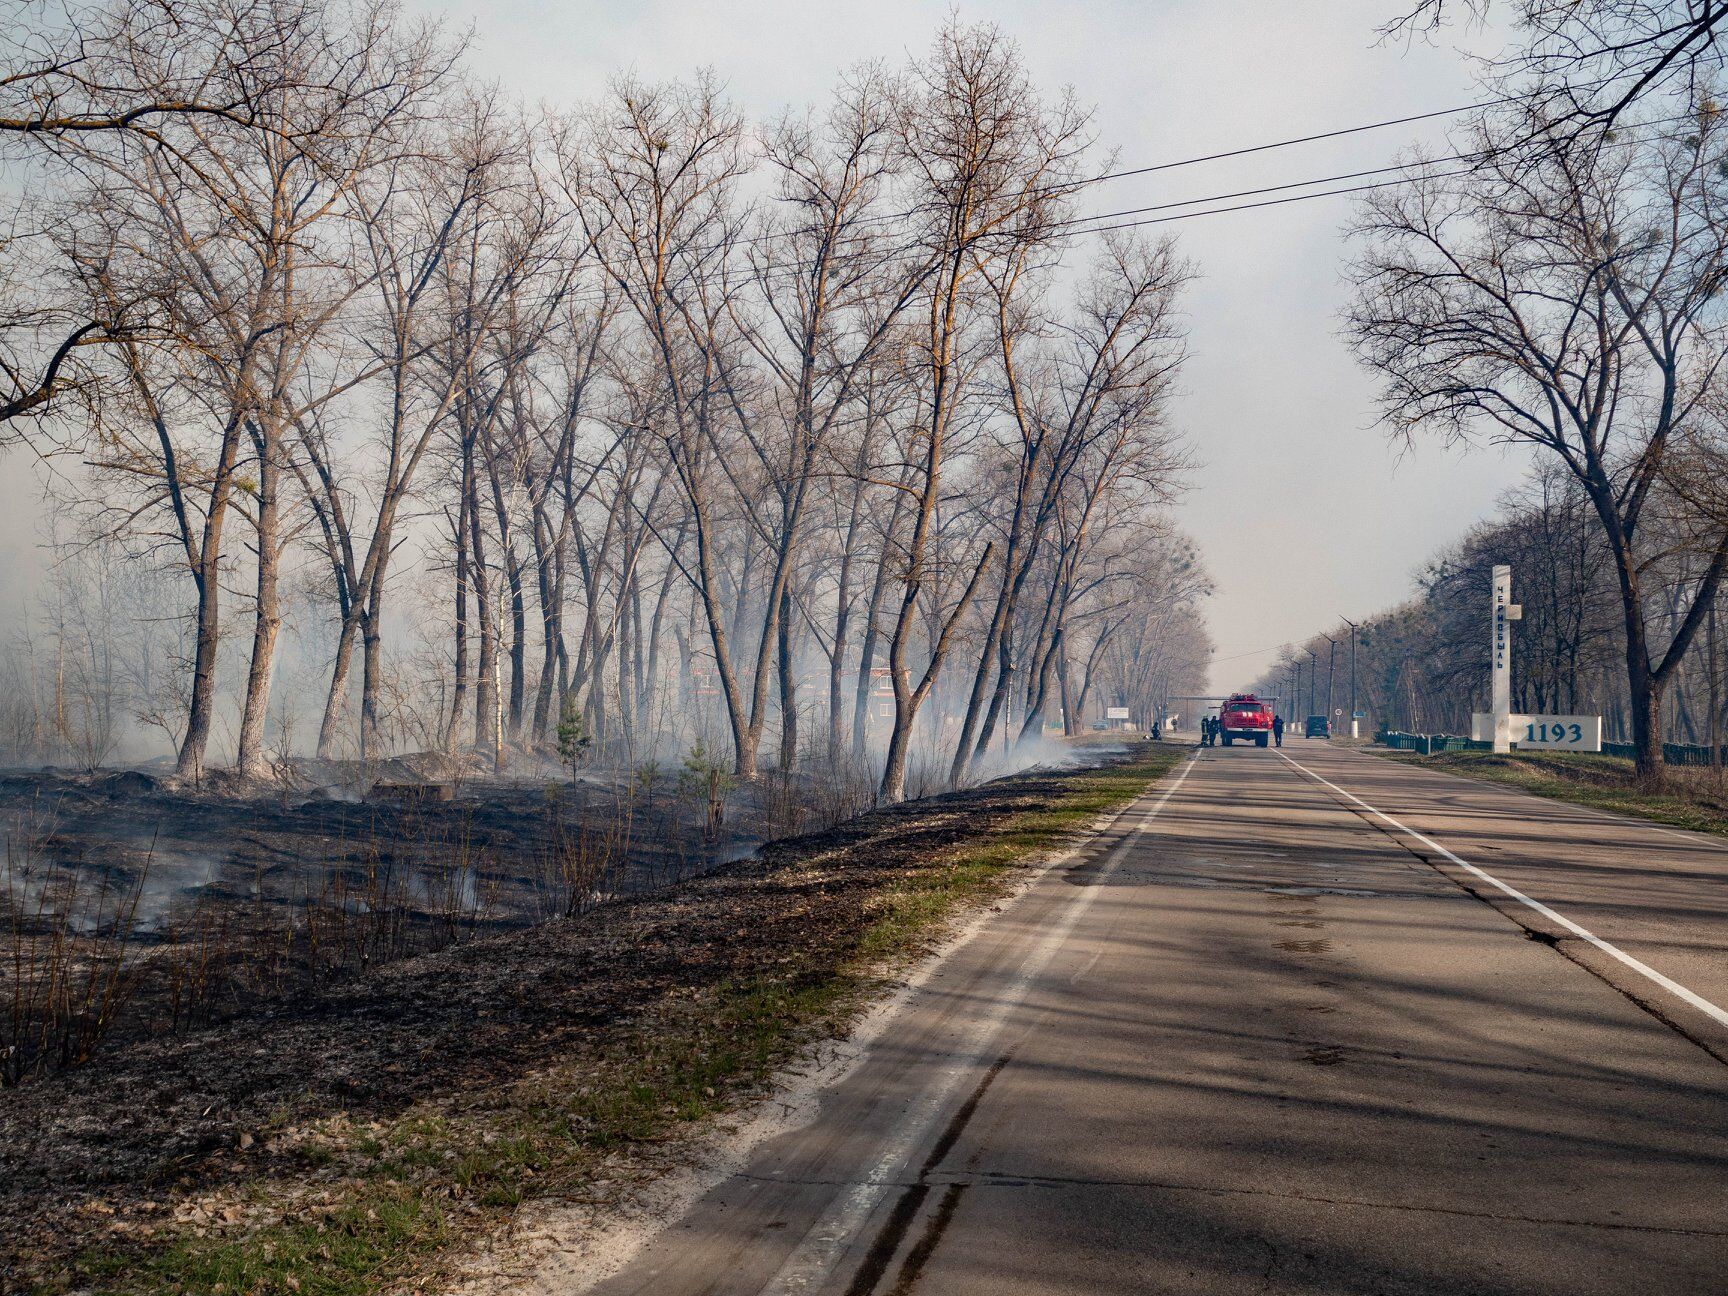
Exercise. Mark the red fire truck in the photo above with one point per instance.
(1246, 717)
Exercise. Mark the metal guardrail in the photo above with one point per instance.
(1429, 744)
(1672, 753)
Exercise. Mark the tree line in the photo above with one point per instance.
(1423, 665)
(584, 427)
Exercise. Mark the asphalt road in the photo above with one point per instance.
(1272, 1033)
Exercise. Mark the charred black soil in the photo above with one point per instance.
(110, 1169)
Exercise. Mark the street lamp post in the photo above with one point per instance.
(1353, 628)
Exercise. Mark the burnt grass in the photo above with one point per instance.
(270, 843)
(215, 903)
(85, 1151)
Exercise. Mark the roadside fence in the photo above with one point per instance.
(1428, 744)
(1672, 753)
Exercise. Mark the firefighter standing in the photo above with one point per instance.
(1277, 731)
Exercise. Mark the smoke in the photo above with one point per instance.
(139, 888)
(1048, 753)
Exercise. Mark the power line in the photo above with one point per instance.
(1255, 652)
(1267, 202)
(1287, 143)
(1199, 159)
(1405, 173)
(1406, 170)
(1523, 97)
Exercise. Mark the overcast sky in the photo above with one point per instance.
(1303, 508)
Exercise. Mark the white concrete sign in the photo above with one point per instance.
(1560, 733)
(1115, 713)
(1543, 732)
(1505, 611)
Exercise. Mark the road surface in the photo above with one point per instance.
(1300, 1021)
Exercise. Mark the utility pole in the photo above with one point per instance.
(1353, 628)
(1313, 670)
(1331, 671)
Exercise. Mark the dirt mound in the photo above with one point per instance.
(126, 784)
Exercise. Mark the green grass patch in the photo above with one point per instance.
(392, 1200)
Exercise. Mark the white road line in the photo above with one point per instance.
(820, 1249)
(1672, 986)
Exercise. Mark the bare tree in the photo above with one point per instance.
(646, 414)
(73, 73)
(1088, 409)
(1573, 305)
(1591, 62)
(991, 167)
(241, 237)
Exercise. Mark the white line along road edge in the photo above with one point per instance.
(815, 1256)
(1672, 986)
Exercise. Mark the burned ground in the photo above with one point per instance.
(129, 906)
(193, 1113)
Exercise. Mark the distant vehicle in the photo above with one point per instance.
(1244, 716)
(1099, 724)
(1318, 727)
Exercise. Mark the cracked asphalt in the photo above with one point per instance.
(1256, 1039)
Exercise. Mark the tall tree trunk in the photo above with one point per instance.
(337, 698)
(836, 682)
(486, 699)
(372, 662)
(459, 662)
(518, 640)
(267, 624)
(1645, 706)
(201, 705)
(551, 624)
(1069, 725)
(964, 755)
(1005, 674)
(909, 699)
(207, 575)
(1039, 695)
(788, 686)
(867, 649)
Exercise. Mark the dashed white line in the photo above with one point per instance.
(1643, 969)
